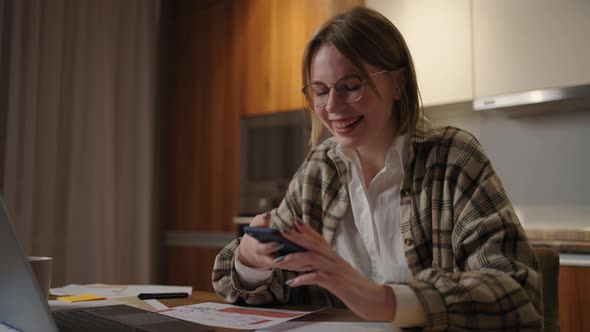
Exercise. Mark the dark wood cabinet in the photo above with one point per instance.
(220, 60)
(574, 298)
(271, 36)
(200, 113)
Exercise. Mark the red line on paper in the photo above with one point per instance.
(261, 322)
(260, 312)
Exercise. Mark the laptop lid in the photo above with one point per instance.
(24, 306)
(22, 303)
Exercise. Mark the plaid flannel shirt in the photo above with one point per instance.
(473, 266)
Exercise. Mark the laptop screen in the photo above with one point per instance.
(22, 304)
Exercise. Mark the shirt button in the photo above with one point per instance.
(406, 193)
(408, 241)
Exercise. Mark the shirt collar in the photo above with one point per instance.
(399, 146)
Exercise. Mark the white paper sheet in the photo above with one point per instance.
(149, 305)
(157, 305)
(55, 305)
(231, 316)
(115, 291)
(332, 327)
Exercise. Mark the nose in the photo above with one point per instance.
(334, 102)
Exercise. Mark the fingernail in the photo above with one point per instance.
(279, 246)
(299, 221)
(279, 259)
(267, 216)
(289, 282)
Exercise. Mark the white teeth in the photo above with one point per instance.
(341, 125)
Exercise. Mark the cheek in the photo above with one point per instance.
(322, 114)
(380, 107)
(385, 101)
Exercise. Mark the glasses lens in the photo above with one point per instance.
(317, 94)
(350, 88)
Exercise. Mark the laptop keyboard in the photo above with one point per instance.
(82, 321)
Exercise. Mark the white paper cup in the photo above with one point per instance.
(42, 268)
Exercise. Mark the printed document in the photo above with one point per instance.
(333, 327)
(231, 316)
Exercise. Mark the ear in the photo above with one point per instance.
(400, 78)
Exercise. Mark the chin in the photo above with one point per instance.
(347, 142)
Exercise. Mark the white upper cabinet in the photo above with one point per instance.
(438, 34)
(530, 44)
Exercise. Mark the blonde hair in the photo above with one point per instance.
(363, 35)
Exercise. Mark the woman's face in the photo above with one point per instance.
(366, 123)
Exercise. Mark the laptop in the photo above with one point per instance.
(23, 306)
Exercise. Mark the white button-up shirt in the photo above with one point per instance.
(369, 237)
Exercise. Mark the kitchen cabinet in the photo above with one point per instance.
(252, 53)
(438, 35)
(292, 26)
(530, 44)
(468, 49)
(199, 152)
(574, 302)
(270, 37)
(220, 60)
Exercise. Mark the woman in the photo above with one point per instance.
(403, 221)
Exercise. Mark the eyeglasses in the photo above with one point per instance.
(350, 88)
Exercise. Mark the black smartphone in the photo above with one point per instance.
(264, 234)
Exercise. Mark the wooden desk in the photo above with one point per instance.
(327, 315)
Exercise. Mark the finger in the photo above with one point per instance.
(311, 244)
(265, 253)
(311, 278)
(303, 269)
(310, 239)
(266, 218)
(268, 248)
(280, 263)
(304, 261)
(305, 229)
(267, 260)
(261, 220)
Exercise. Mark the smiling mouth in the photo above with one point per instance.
(347, 124)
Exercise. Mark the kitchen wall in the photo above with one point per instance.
(469, 49)
(542, 159)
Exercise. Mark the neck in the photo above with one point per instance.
(372, 157)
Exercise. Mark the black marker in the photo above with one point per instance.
(155, 296)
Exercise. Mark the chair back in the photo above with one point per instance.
(549, 261)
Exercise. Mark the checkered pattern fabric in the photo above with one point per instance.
(473, 266)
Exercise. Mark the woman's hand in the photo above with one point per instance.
(328, 270)
(256, 254)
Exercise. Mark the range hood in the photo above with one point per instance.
(564, 98)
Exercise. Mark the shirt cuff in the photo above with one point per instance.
(410, 312)
(249, 277)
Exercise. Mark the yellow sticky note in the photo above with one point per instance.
(80, 298)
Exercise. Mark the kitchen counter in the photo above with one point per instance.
(566, 241)
(573, 244)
